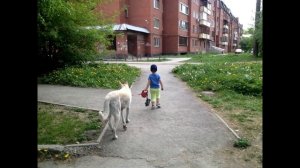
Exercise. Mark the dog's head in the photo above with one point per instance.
(124, 85)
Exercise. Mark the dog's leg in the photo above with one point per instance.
(123, 120)
(109, 122)
(116, 123)
(127, 114)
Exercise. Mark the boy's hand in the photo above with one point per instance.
(162, 88)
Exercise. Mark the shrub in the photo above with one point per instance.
(93, 75)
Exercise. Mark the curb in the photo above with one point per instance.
(61, 148)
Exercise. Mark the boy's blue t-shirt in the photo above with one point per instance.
(154, 80)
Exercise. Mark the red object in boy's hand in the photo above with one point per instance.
(144, 93)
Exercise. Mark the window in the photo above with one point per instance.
(183, 25)
(209, 6)
(203, 16)
(184, 8)
(196, 2)
(195, 14)
(212, 23)
(156, 42)
(156, 23)
(126, 12)
(182, 41)
(224, 39)
(195, 42)
(156, 4)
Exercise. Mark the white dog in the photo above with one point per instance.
(114, 104)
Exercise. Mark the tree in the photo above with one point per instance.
(257, 18)
(258, 35)
(63, 36)
(246, 43)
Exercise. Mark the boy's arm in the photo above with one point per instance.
(161, 84)
(148, 84)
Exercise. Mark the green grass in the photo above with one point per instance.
(155, 60)
(210, 58)
(144, 59)
(64, 125)
(236, 81)
(244, 78)
(242, 143)
(235, 101)
(93, 75)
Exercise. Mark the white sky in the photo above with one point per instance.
(244, 10)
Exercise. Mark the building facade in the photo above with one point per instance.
(157, 27)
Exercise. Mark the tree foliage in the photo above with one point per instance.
(246, 43)
(63, 37)
(252, 34)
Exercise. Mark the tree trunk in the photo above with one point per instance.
(257, 16)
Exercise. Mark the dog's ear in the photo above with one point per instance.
(121, 84)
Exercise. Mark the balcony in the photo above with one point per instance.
(204, 36)
(204, 22)
(225, 34)
(225, 27)
(234, 44)
(224, 43)
(203, 16)
(205, 9)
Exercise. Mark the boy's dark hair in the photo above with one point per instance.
(153, 68)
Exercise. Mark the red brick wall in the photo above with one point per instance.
(142, 14)
(193, 23)
(170, 32)
(109, 9)
(121, 44)
(139, 12)
(156, 32)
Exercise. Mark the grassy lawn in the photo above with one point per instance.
(230, 57)
(236, 81)
(65, 125)
(143, 59)
(155, 60)
(100, 75)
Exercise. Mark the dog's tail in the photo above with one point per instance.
(104, 114)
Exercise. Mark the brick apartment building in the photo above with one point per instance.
(154, 27)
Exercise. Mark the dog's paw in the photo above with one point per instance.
(115, 137)
(105, 121)
(127, 121)
(125, 127)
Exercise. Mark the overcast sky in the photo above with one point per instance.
(244, 10)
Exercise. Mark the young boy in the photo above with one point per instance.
(154, 82)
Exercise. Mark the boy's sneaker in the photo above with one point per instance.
(158, 106)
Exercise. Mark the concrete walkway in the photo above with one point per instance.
(184, 133)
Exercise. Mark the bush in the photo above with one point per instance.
(93, 75)
(242, 143)
(244, 78)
